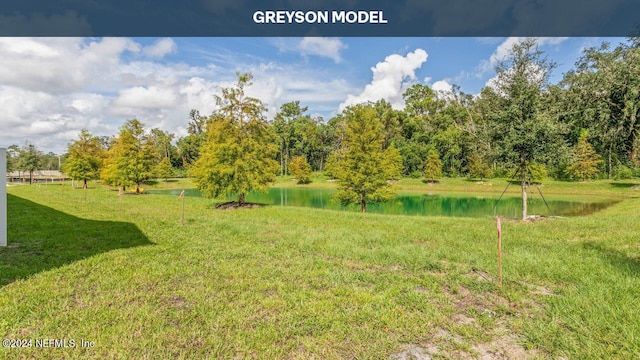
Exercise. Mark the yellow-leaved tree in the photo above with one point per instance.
(131, 159)
(238, 154)
(363, 166)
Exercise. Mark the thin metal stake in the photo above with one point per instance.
(545, 201)
(505, 190)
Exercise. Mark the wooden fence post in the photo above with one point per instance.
(499, 225)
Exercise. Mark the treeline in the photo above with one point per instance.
(28, 158)
(584, 127)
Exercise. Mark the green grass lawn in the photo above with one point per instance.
(298, 283)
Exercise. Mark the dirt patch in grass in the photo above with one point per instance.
(477, 330)
(503, 346)
(415, 352)
(443, 345)
(482, 182)
(540, 290)
(178, 302)
(232, 205)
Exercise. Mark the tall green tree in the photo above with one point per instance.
(13, 154)
(392, 162)
(432, 166)
(478, 167)
(604, 97)
(421, 101)
(162, 144)
(131, 159)
(391, 122)
(29, 159)
(586, 161)
(306, 139)
(84, 158)
(413, 154)
(523, 130)
(106, 141)
(50, 161)
(332, 166)
(327, 142)
(364, 166)
(300, 169)
(164, 169)
(478, 134)
(239, 151)
(432, 121)
(188, 147)
(285, 129)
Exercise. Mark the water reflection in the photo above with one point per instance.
(422, 204)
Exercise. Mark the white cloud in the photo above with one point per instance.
(442, 87)
(316, 46)
(160, 48)
(146, 98)
(197, 93)
(60, 65)
(319, 46)
(52, 88)
(42, 127)
(43, 119)
(276, 85)
(87, 103)
(391, 78)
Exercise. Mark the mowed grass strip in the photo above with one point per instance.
(284, 282)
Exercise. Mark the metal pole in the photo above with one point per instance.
(505, 190)
(545, 201)
(3, 197)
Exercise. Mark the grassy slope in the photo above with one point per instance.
(298, 283)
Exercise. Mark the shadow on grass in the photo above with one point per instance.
(41, 238)
(624, 184)
(475, 180)
(519, 183)
(616, 258)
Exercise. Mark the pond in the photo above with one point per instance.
(460, 205)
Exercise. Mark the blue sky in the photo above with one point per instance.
(50, 88)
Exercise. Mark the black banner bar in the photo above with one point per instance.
(217, 18)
